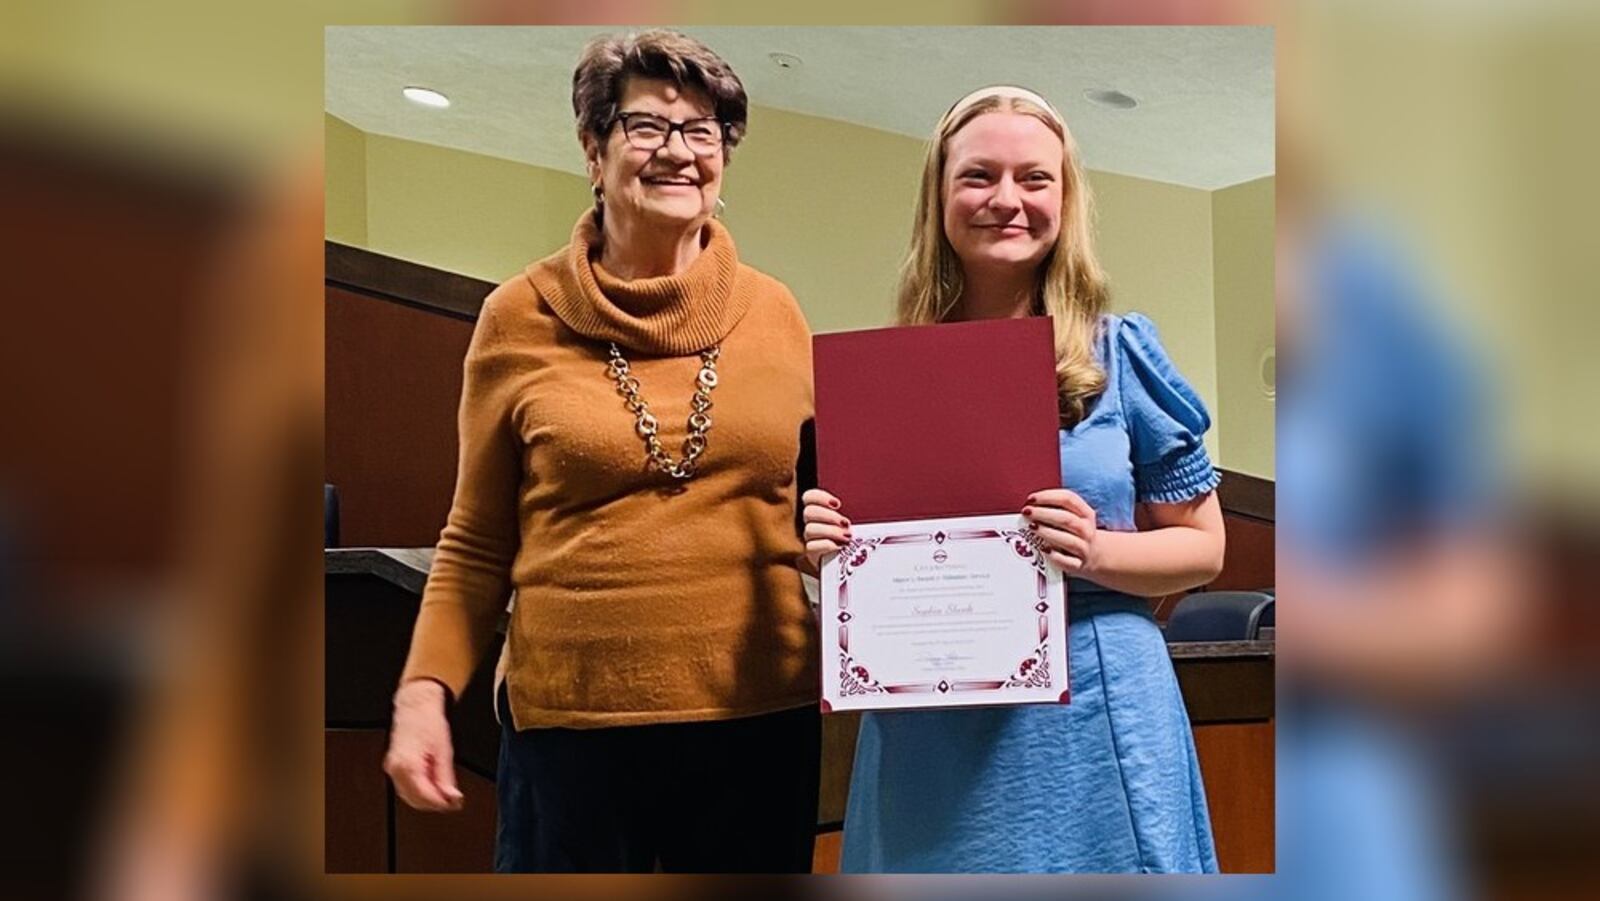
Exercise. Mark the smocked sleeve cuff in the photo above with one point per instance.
(1177, 481)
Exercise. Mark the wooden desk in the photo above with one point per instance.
(372, 599)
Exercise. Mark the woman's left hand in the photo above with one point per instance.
(1065, 523)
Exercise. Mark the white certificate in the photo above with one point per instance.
(942, 613)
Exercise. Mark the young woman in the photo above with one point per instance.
(1109, 783)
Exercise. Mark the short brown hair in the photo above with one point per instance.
(610, 60)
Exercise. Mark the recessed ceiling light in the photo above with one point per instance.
(786, 60)
(1110, 99)
(426, 97)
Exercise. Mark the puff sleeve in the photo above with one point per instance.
(1166, 419)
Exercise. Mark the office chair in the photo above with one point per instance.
(1221, 616)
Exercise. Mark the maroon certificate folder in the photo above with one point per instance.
(958, 419)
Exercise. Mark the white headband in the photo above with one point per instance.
(1002, 90)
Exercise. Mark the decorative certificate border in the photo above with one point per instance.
(1033, 671)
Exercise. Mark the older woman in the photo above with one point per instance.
(1109, 783)
(630, 424)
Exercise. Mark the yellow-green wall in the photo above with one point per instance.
(1242, 219)
(1154, 240)
(816, 203)
(344, 175)
(464, 212)
(826, 207)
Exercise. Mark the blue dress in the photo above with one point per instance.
(1110, 782)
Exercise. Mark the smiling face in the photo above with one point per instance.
(670, 187)
(1002, 188)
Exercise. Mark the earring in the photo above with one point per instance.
(599, 195)
(722, 207)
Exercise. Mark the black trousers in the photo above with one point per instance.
(730, 796)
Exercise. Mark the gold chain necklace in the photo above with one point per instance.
(645, 424)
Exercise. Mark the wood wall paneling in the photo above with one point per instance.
(1227, 690)
(393, 388)
(1248, 495)
(1237, 764)
(425, 287)
(1250, 560)
(825, 857)
(1249, 508)
(356, 801)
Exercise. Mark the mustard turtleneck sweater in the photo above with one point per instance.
(638, 599)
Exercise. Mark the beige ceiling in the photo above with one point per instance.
(1204, 120)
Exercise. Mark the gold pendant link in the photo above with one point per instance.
(646, 425)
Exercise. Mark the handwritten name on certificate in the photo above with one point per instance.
(942, 613)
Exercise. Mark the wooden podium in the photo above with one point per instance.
(372, 600)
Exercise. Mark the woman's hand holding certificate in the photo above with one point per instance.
(1065, 524)
(936, 613)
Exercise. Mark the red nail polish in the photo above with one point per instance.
(1027, 511)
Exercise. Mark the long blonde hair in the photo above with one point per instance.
(1071, 285)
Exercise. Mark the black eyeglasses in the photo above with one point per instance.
(648, 131)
